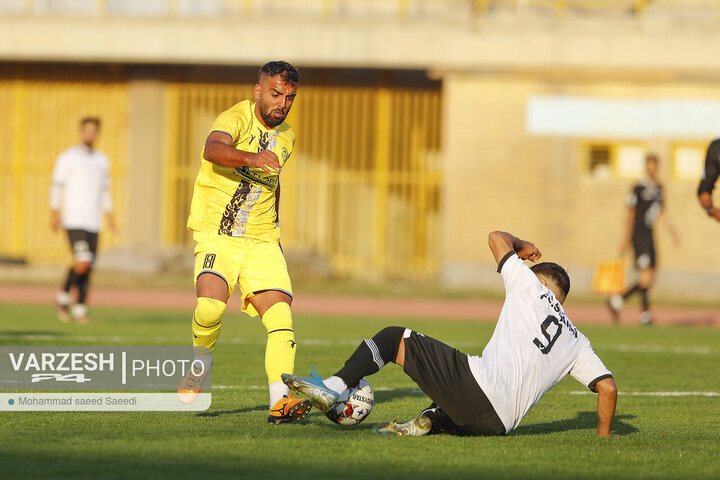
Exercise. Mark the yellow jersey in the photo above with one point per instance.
(240, 201)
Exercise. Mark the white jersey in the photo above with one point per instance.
(533, 347)
(81, 188)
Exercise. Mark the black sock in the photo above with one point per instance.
(371, 355)
(631, 290)
(71, 280)
(645, 299)
(441, 422)
(83, 281)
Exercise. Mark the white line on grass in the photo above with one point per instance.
(655, 394)
(326, 342)
(657, 349)
(79, 338)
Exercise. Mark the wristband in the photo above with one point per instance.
(709, 211)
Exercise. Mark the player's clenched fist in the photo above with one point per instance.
(527, 250)
(266, 160)
(716, 214)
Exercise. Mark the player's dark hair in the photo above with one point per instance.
(286, 71)
(94, 120)
(652, 157)
(556, 273)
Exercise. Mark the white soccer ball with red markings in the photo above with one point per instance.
(353, 405)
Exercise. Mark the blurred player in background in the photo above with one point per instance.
(80, 193)
(709, 178)
(533, 347)
(646, 205)
(234, 219)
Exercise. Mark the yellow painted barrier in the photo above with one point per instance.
(362, 188)
(41, 120)
(609, 277)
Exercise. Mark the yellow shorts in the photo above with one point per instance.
(253, 264)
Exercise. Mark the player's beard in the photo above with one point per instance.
(267, 116)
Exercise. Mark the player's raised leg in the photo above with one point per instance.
(212, 294)
(442, 372)
(274, 309)
(369, 357)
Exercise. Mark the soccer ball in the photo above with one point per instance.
(353, 405)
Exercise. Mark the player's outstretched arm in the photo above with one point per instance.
(606, 402)
(219, 150)
(502, 242)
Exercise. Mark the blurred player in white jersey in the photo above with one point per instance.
(79, 195)
(533, 347)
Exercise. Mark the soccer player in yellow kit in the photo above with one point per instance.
(234, 219)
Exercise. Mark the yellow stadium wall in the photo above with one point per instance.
(361, 192)
(41, 112)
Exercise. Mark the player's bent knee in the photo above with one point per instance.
(278, 318)
(388, 341)
(209, 311)
(264, 300)
(394, 334)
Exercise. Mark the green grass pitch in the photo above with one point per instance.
(663, 436)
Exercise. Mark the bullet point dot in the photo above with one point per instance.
(11, 402)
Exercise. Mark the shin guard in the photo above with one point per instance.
(280, 349)
(206, 322)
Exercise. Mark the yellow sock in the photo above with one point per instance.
(206, 322)
(280, 349)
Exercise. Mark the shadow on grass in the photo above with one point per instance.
(583, 421)
(257, 408)
(395, 393)
(24, 333)
(237, 411)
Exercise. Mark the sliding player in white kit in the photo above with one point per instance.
(533, 347)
